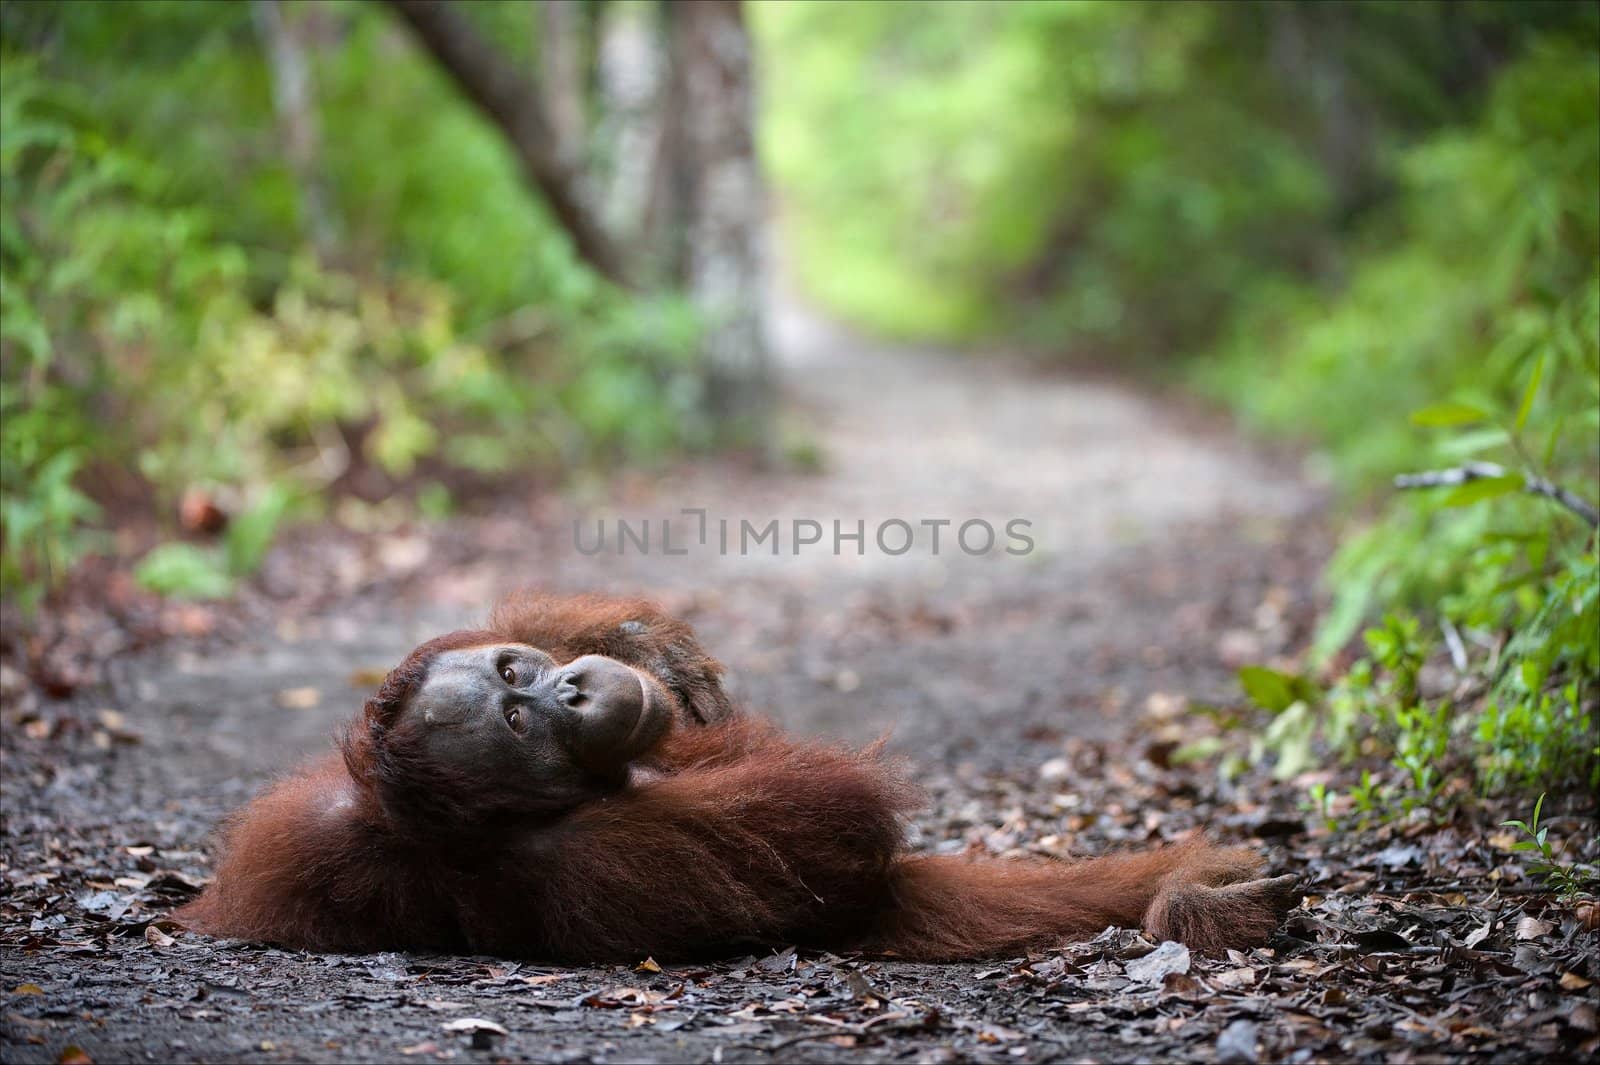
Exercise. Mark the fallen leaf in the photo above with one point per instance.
(1237, 1043)
(1169, 957)
(1055, 769)
(428, 1047)
(156, 937)
(299, 698)
(777, 963)
(1532, 928)
(861, 987)
(647, 966)
(367, 678)
(613, 997)
(1181, 985)
(27, 989)
(1574, 982)
(994, 1033)
(1400, 856)
(1229, 979)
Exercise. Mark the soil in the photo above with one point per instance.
(1038, 698)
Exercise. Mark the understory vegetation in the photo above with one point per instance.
(1368, 228)
(171, 330)
(1471, 336)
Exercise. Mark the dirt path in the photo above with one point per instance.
(1141, 528)
(1157, 547)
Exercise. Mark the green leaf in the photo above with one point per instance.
(1442, 415)
(1472, 442)
(1485, 488)
(1530, 392)
(184, 571)
(1268, 688)
(434, 502)
(1201, 749)
(1555, 438)
(251, 533)
(1290, 736)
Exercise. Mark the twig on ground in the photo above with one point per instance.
(1420, 1019)
(1482, 471)
(837, 1028)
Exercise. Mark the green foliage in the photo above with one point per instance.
(250, 534)
(1479, 321)
(1539, 722)
(1568, 879)
(419, 178)
(1099, 178)
(191, 571)
(164, 325)
(185, 571)
(1469, 329)
(45, 431)
(1534, 727)
(1274, 691)
(42, 513)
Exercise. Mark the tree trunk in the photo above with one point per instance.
(514, 104)
(712, 242)
(560, 76)
(630, 71)
(721, 205)
(294, 101)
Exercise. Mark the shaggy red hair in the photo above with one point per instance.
(728, 836)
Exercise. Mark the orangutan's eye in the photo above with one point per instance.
(514, 718)
(508, 674)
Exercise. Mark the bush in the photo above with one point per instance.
(140, 341)
(1100, 179)
(1480, 317)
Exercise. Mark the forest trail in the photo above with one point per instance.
(1166, 553)
(1148, 530)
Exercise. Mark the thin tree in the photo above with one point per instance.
(716, 204)
(285, 41)
(515, 104)
(720, 205)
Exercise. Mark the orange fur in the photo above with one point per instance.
(728, 836)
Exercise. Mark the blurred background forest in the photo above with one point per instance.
(269, 262)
